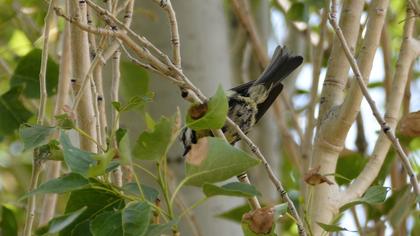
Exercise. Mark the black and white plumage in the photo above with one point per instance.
(249, 102)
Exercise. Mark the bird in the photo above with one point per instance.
(248, 102)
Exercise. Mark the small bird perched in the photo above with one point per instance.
(248, 102)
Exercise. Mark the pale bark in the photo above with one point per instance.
(410, 49)
(330, 137)
(80, 66)
(338, 66)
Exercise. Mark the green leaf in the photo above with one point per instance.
(64, 121)
(107, 223)
(218, 161)
(150, 193)
(66, 183)
(135, 101)
(135, 80)
(159, 229)
(136, 218)
(374, 194)
(331, 228)
(13, 112)
(8, 224)
(116, 105)
(96, 201)
(77, 160)
(376, 84)
(280, 210)
(298, 12)
(35, 135)
(318, 4)
(124, 150)
(150, 123)
(215, 116)
(235, 214)
(103, 161)
(350, 167)
(154, 144)
(27, 74)
(402, 207)
(59, 223)
(236, 189)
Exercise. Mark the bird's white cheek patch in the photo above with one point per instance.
(198, 152)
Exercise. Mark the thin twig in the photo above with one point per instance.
(175, 42)
(31, 205)
(120, 24)
(241, 9)
(384, 125)
(415, 7)
(271, 175)
(36, 165)
(53, 167)
(115, 86)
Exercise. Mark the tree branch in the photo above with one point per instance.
(386, 128)
(37, 164)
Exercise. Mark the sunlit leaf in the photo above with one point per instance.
(211, 115)
(19, 43)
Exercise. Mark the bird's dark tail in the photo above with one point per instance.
(282, 64)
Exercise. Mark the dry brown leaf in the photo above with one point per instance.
(260, 220)
(198, 152)
(198, 111)
(409, 125)
(313, 177)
